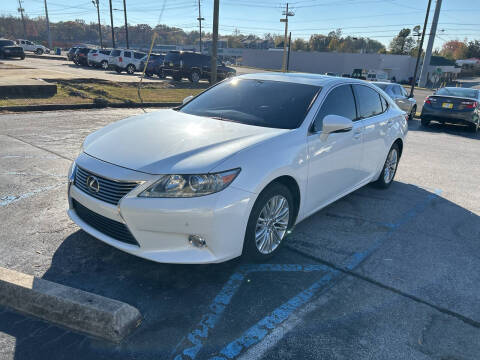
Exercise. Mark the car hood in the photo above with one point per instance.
(168, 141)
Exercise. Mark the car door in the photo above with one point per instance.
(334, 160)
(372, 109)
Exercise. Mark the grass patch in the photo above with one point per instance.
(89, 91)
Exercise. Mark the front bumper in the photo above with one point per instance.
(453, 116)
(162, 226)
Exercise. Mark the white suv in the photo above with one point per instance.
(30, 46)
(128, 60)
(99, 58)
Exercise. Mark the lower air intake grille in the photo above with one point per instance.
(109, 227)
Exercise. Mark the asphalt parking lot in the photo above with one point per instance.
(379, 274)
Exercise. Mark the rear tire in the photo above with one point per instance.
(474, 127)
(39, 52)
(131, 69)
(424, 121)
(194, 77)
(268, 225)
(389, 168)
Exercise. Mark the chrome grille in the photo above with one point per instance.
(110, 191)
(109, 227)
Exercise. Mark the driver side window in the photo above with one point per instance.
(339, 101)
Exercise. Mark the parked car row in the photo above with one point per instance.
(176, 64)
(8, 49)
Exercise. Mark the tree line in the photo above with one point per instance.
(67, 33)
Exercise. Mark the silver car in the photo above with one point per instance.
(400, 96)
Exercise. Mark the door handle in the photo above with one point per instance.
(357, 134)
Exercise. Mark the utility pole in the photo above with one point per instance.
(287, 14)
(111, 24)
(126, 25)
(49, 36)
(428, 52)
(420, 49)
(213, 74)
(288, 55)
(200, 24)
(21, 10)
(97, 5)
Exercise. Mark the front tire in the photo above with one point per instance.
(412, 112)
(389, 168)
(39, 52)
(270, 220)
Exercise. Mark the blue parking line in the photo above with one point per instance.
(9, 199)
(257, 332)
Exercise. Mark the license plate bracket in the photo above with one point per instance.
(447, 105)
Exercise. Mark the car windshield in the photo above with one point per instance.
(267, 103)
(6, 43)
(460, 92)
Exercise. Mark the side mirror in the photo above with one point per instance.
(335, 124)
(187, 99)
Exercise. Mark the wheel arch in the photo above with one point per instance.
(291, 185)
(399, 142)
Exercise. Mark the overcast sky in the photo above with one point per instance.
(377, 19)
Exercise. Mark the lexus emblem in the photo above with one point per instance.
(92, 184)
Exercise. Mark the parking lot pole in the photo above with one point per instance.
(111, 24)
(97, 5)
(428, 52)
(126, 25)
(420, 48)
(213, 72)
(21, 10)
(49, 36)
(288, 55)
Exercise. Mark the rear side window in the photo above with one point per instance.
(93, 51)
(339, 101)
(384, 103)
(127, 54)
(368, 101)
(115, 53)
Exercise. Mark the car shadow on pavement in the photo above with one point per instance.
(451, 129)
(432, 242)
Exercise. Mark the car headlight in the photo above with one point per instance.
(183, 186)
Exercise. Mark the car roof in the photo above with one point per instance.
(383, 83)
(301, 78)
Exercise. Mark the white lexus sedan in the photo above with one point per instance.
(233, 169)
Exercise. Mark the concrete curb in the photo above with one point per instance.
(75, 309)
(56, 107)
(51, 57)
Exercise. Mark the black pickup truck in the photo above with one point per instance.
(8, 48)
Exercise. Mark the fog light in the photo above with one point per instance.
(197, 240)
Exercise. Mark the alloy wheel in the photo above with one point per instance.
(195, 77)
(272, 224)
(390, 166)
(104, 65)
